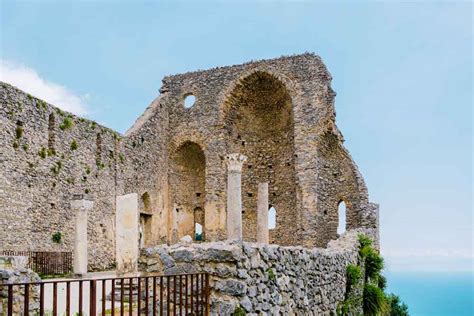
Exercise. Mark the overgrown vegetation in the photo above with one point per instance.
(368, 289)
(42, 152)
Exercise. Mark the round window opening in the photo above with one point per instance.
(189, 101)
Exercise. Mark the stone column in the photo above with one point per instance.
(80, 206)
(234, 195)
(262, 213)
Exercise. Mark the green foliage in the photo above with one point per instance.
(42, 152)
(56, 237)
(56, 167)
(87, 191)
(397, 307)
(74, 145)
(66, 124)
(19, 132)
(239, 311)
(30, 97)
(271, 274)
(15, 144)
(59, 111)
(25, 147)
(381, 282)
(348, 306)
(374, 301)
(373, 263)
(364, 241)
(122, 158)
(51, 152)
(353, 274)
(41, 105)
(88, 169)
(93, 125)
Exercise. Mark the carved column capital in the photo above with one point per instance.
(234, 162)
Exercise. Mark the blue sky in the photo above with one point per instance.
(402, 73)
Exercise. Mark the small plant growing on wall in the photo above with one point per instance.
(25, 147)
(19, 132)
(66, 124)
(42, 152)
(56, 237)
(51, 152)
(74, 145)
(56, 167)
(15, 144)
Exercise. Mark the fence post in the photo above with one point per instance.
(92, 298)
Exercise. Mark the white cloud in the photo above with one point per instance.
(28, 80)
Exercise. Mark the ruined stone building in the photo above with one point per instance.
(279, 113)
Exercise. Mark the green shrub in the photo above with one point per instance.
(88, 169)
(19, 132)
(397, 307)
(15, 144)
(51, 152)
(353, 274)
(373, 264)
(381, 282)
(74, 145)
(122, 158)
(66, 124)
(364, 241)
(56, 237)
(25, 147)
(374, 301)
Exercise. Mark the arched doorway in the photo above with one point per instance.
(259, 123)
(187, 188)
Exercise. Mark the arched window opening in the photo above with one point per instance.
(198, 224)
(198, 232)
(146, 202)
(189, 101)
(272, 218)
(341, 211)
(51, 123)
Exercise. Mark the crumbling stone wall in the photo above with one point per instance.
(41, 169)
(262, 278)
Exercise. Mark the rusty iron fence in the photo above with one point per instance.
(184, 294)
(45, 262)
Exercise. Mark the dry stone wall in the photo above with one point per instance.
(263, 279)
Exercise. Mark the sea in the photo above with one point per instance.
(434, 293)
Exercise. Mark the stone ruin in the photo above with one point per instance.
(257, 136)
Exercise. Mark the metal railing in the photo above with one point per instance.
(45, 262)
(185, 294)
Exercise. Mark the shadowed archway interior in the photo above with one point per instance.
(259, 124)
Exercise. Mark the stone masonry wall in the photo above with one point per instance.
(46, 156)
(263, 279)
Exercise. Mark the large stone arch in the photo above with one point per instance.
(259, 123)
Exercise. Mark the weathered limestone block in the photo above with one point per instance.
(126, 232)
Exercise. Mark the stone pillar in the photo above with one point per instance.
(80, 207)
(126, 232)
(234, 195)
(262, 213)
